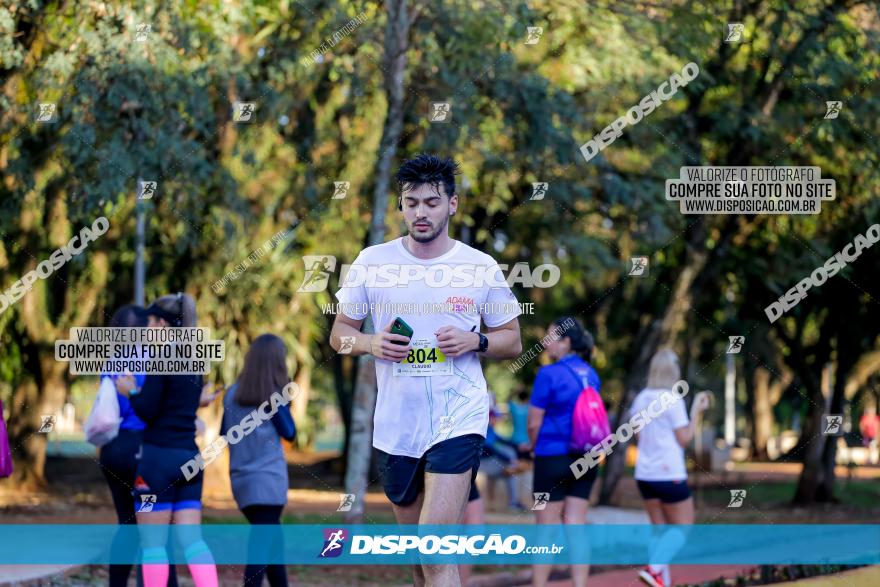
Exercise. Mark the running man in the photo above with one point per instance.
(432, 408)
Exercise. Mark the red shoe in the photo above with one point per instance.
(651, 578)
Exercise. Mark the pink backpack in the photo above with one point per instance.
(589, 420)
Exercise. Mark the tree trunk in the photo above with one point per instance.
(814, 445)
(762, 419)
(364, 404)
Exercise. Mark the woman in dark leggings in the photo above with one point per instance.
(119, 456)
(257, 468)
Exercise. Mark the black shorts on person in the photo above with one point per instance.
(160, 484)
(553, 475)
(665, 491)
(404, 477)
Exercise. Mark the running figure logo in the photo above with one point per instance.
(440, 112)
(47, 423)
(447, 423)
(143, 30)
(833, 109)
(541, 501)
(736, 498)
(833, 424)
(639, 266)
(46, 112)
(539, 188)
(535, 33)
(318, 270)
(147, 190)
(333, 542)
(346, 344)
(346, 500)
(341, 190)
(735, 345)
(734, 32)
(244, 111)
(147, 503)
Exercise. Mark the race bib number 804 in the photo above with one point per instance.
(424, 360)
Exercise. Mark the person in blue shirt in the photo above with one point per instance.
(499, 456)
(257, 467)
(554, 394)
(118, 458)
(519, 411)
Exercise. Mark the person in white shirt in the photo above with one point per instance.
(432, 407)
(660, 472)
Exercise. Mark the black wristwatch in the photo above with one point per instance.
(484, 343)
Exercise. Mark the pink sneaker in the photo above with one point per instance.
(651, 578)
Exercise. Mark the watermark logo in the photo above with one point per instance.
(474, 545)
(47, 424)
(541, 501)
(823, 273)
(442, 276)
(334, 541)
(47, 112)
(76, 245)
(147, 503)
(539, 189)
(665, 91)
(735, 32)
(833, 425)
(628, 429)
(143, 30)
(737, 497)
(735, 344)
(441, 112)
(638, 267)
(750, 189)
(318, 271)
(147, 189)
(346, 344)
(534, 35)
(243, 111)
(447, 423)
(539, 346)
(254, 258)
(346, 500)
(236, 433)
(340, 189)
(317, 56)
(832, 109)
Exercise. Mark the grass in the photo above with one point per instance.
(857, 493)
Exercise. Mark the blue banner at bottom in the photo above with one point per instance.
(846, 544)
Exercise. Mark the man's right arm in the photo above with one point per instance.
(345, 326)
(382, 344)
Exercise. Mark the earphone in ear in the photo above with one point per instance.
(400, 204)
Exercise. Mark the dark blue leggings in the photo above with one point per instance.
(253, 574)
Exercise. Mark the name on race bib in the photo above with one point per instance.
(423, 360)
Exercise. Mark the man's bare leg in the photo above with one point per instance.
(445, 500)
(409, 514)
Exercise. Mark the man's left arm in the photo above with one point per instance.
(504, 341)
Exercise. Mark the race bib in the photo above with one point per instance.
(424, 360)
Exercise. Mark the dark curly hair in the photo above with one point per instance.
(428, 169)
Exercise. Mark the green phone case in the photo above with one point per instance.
(401, 327)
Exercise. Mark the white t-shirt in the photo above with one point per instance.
(660, 458)
(449, 397)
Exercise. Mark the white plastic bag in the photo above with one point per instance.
(102, 425)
